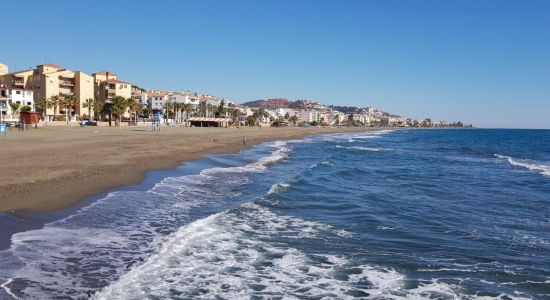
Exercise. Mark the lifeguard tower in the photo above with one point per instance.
(156, 121)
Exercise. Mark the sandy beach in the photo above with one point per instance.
(55, 167)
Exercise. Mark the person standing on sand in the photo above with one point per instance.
(244, 140)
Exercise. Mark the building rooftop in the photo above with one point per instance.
(157, 94)
(50, 65)
(104, 73)
(116, 81)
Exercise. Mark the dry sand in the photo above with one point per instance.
(55, 167)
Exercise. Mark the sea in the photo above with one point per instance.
(388, 214)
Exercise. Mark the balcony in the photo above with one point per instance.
(18, 82)
(66, 83)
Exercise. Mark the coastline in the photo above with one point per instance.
(77, 163)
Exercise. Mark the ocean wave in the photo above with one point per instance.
(278, 187)
(532, 166)
(235, 254)
(73, 256)
(243, 253)
(258, 166)
(361, 148)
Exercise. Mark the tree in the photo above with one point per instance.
(54, 102)
(203, 108)
(211, 110)
(145, 112)
(99, 108)
(118, 107)
(251, 120)
(168, 106)
(235, 114)
(176, 106)
(89, 103)
(41, 105)
(70, 102)
(14, 108)
(25, 108)
(293, 120)
(221, 109)
(133, 106)
(187, 108)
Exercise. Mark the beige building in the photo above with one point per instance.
(3, 69)
(49, 80)
(108, 86)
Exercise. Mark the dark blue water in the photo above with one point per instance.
(435, 214)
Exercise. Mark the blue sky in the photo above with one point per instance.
(482, 62)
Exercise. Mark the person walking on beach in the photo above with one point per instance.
(244, 140)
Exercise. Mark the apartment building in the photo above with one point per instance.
(309, 115)
(157, 99)
(49, 80)
(183, 98)
(108, 86)
(139, 95)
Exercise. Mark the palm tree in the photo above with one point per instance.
(145, 112)
(187, 108)
(14, 108)
(70, 102)
(55, 103)
(235, 114)
(167, 109)
(98, 109)
(133, 106)
(176, 108)
(41, 105)
(220, 110)
(211, 109)
(89, 103)
(118, 107)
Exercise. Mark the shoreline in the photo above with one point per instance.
(95, 160)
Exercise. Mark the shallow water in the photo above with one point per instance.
(403, 214)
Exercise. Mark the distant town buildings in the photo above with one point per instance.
(90, 92)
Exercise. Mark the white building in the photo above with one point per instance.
(20, 96)
(363, 118)
(184, 98)
(310, 115)
(156, 100)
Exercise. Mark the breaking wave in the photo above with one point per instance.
(245, 253)
(72, 257)
(532, 166)
(361, 148)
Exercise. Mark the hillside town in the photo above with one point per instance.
(51, 94)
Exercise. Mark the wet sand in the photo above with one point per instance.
(52, 168)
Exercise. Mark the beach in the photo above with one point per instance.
(55, 167)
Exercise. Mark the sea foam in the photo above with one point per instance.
(72, 257)
(530, 165)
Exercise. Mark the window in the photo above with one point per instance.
(18, 92)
